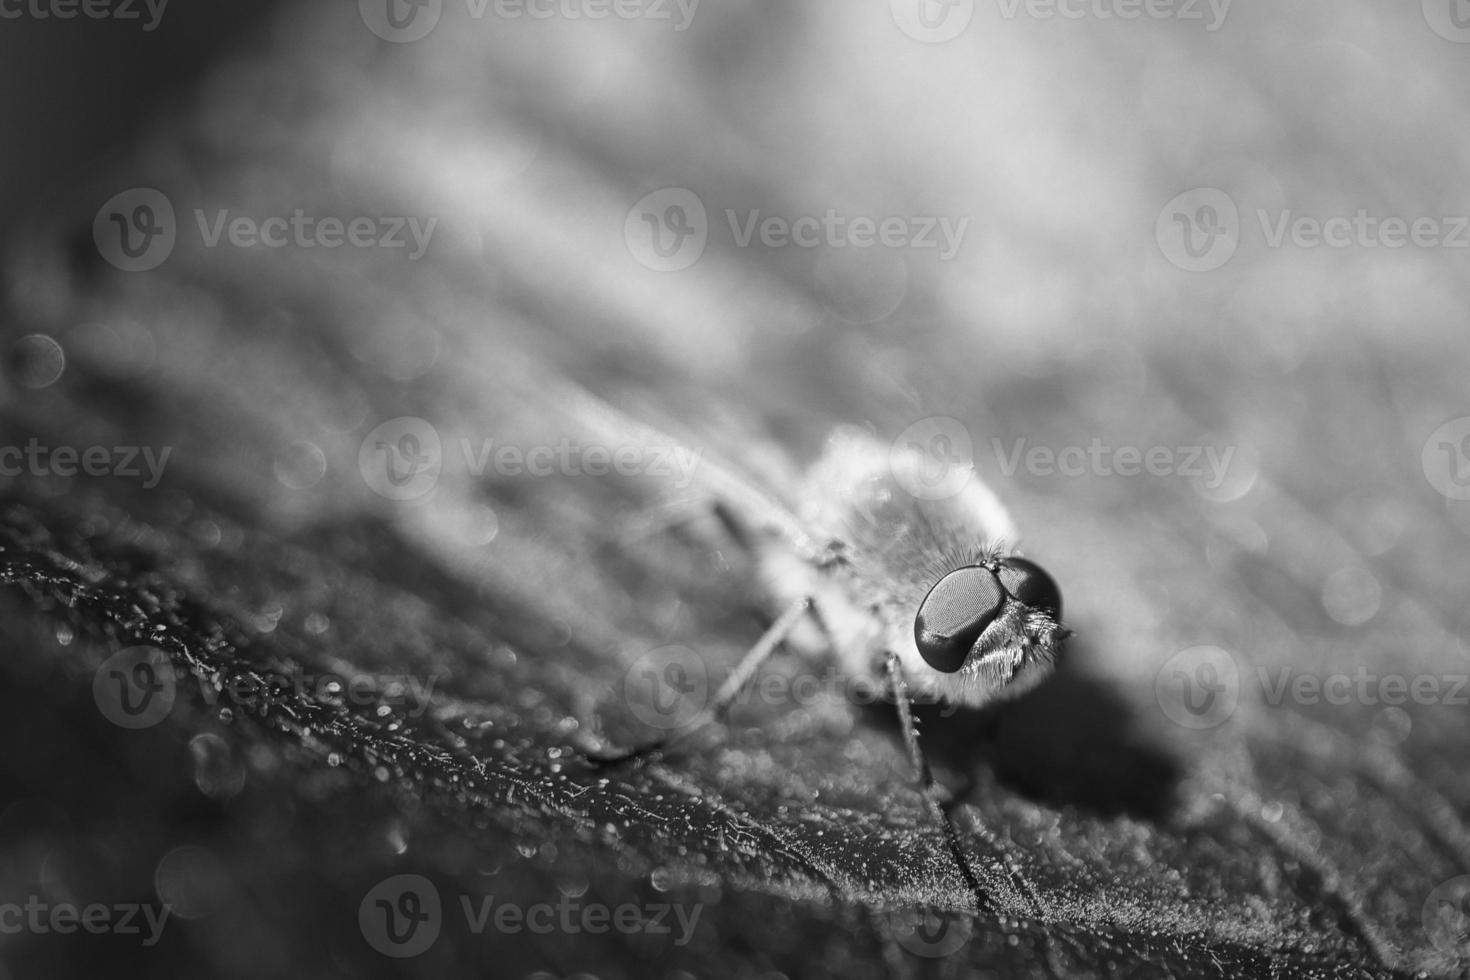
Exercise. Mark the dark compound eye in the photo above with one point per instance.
(954, 614)
(1030, 583)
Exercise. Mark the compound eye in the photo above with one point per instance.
(1030, 583)
(954, 614)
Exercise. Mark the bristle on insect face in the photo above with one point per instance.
(962, 555)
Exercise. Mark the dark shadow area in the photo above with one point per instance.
(1071, 742)
(81, 87)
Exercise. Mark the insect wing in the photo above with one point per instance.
(707, 479)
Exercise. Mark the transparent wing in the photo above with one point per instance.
(702, 475)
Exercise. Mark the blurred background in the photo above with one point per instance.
(1183, 282)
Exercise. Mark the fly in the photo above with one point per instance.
(920, 594)
(916, 590)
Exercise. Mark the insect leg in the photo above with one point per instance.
(749, 664)
(899, 689)
(724, 697)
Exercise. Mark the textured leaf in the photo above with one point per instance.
(1290, 839)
